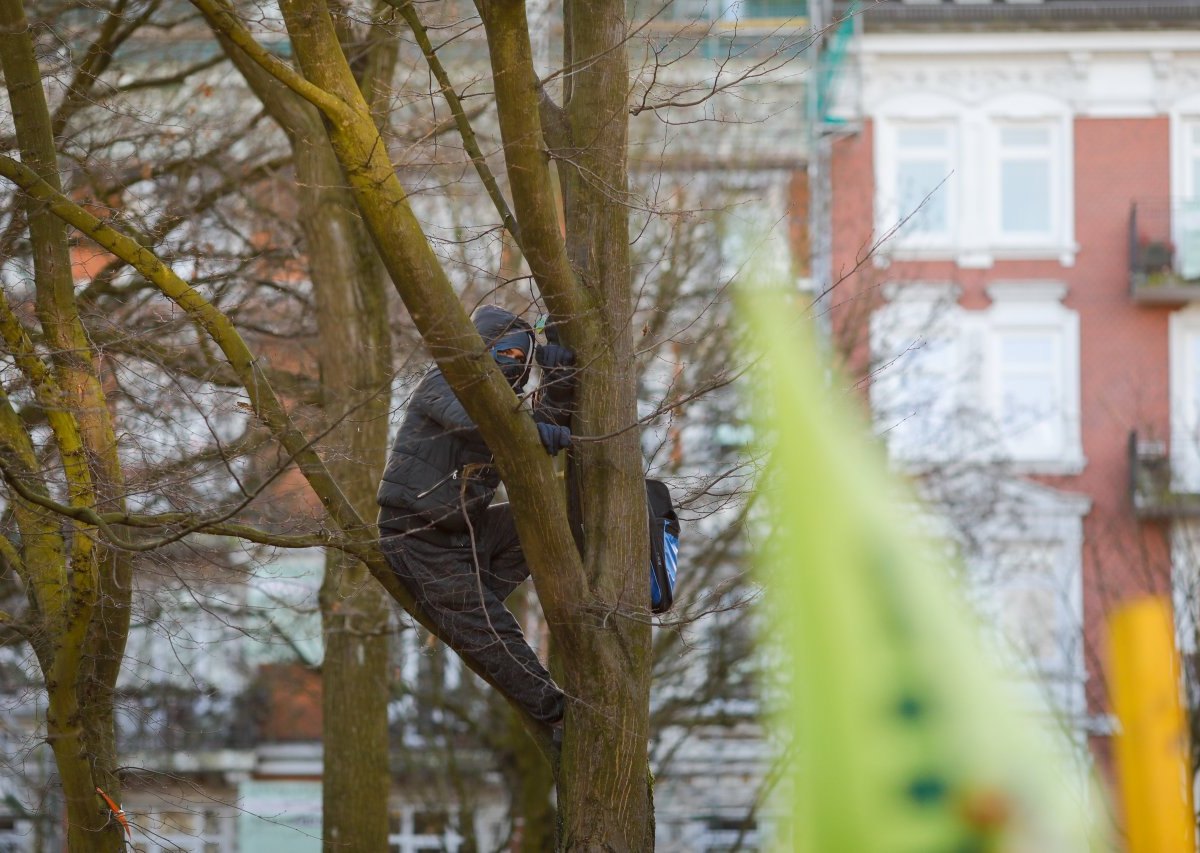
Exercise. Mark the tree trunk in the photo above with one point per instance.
(534, 815)
(354, 355)
(90, 829)
(529, 776)
(85, 610)
(355, 362)
(604, 782)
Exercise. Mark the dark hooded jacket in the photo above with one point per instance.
(440, 470)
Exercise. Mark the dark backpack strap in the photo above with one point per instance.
(663, 520)
(660, 505)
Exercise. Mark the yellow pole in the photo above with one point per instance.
(1153, 773)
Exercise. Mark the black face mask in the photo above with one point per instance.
(515, 370)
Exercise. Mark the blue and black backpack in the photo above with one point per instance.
(664, 545)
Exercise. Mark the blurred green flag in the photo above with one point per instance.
(902, 736)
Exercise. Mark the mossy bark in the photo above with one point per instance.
(80, 589)
(354, 359)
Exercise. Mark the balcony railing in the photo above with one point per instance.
(1164, 252)
(1150, 483)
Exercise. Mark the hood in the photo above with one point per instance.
(501, 329)
(493, 323)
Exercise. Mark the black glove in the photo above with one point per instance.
(554, 438)
(550, 329)
(553, 356)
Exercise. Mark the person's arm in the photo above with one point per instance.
(435, 398)
(554, 402)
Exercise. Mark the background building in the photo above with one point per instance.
(1012, 203)
(220, 706)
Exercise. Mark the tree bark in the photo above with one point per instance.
(355, 366)
(89, 629)
(354, 356)
(534, 815)
(604, 783)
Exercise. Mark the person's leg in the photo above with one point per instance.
(505, 568)
(469, 617)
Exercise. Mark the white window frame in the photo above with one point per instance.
(911, 209)
(1183, 329)
(1020, 431)
(1049, 517)
(1184, 116)
(916, 315)
(888, 215)
(407, 840)
(1001, 578)
(1019, 307)
(1185, 166)
(919, 311)
(975, 239)
(1056, 188)
(1190, 152)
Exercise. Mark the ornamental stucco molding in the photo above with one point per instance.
(966, 81)
(1148, 81)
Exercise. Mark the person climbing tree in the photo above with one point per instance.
(456, 552)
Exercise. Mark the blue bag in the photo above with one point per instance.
(664, 545)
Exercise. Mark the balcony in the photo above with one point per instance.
(703, 29)
(1150, 484)
(1164, 252)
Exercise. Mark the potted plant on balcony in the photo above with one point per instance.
(1155, 260)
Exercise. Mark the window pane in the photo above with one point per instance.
(685, 9)
(1025, 196)
(1027, 350)
(178, 822)
(1025, 137)
(1030, 404)
(918, 399)
(1030, 395)
(1031, 606)
(430, 823)
(908, 138)
(729, 10)
(1192, 155)
(1029, 621)
(921, 197)
(1193, 422)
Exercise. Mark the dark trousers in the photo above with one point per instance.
(463, 591)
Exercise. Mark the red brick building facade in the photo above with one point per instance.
(1014, 202)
